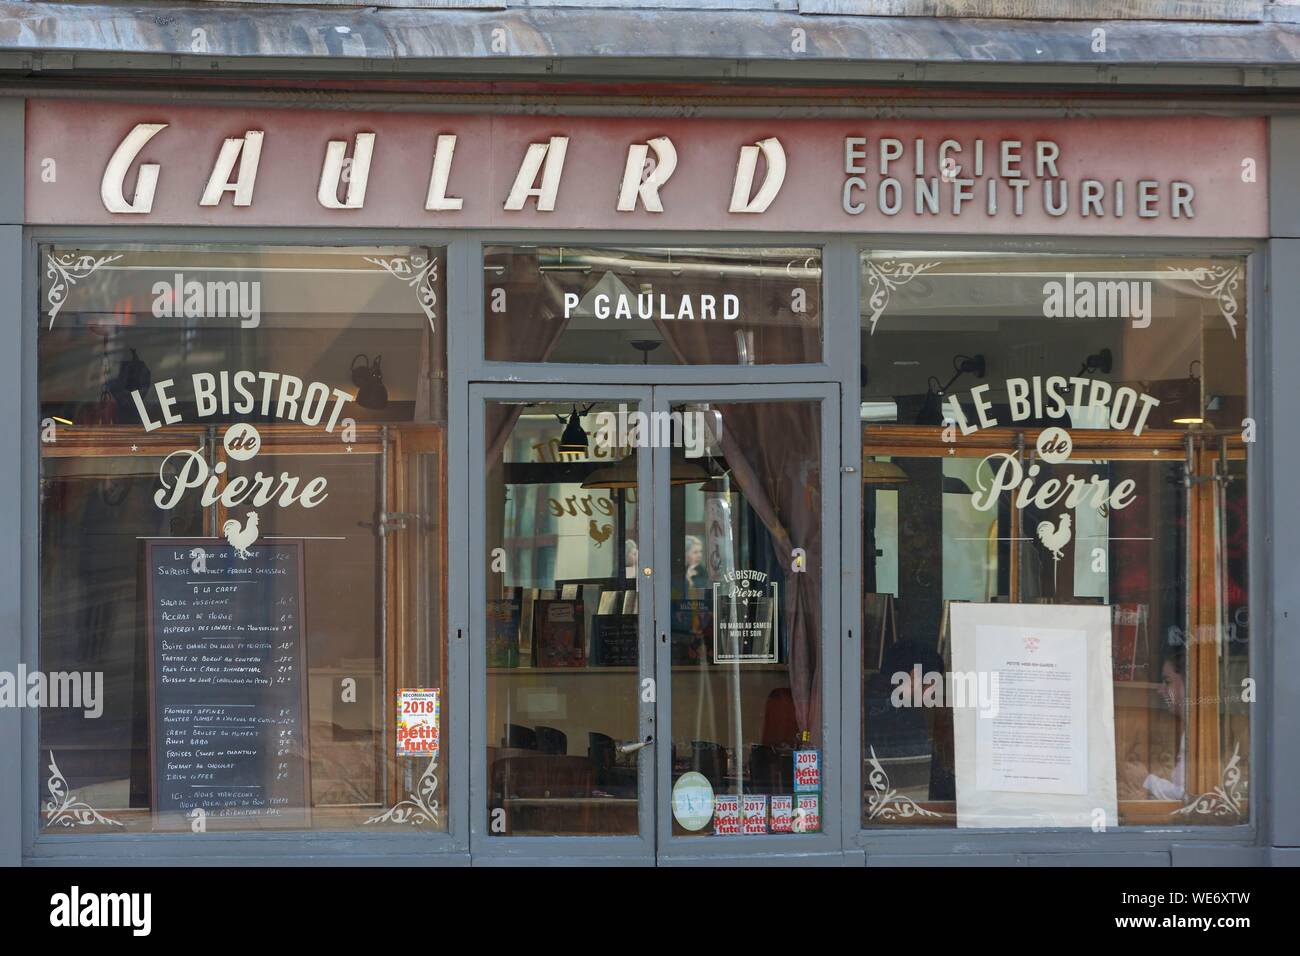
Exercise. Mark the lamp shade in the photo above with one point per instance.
(882, 473)
(368, 377)
(684, 471)
(623, 473)
(1183, 402)
(574, 439)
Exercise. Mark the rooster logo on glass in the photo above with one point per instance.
(1091, 402)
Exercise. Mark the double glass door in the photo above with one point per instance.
(652, 631)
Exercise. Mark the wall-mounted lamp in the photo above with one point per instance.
(931, 412)
(368, 377)
(1185, 406)
(1102, 362)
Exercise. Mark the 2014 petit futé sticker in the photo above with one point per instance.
(418, 710)
(782, 813)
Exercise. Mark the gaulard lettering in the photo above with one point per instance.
(274, 395)
(661, 307)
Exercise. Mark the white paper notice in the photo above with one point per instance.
(1038, 740)
(1043, 753)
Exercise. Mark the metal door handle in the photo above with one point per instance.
(634, 746)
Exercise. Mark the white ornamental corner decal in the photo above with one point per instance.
(419, 273)
(66, 271)
(885, 802)
(1221, 282)
(1225, 800)
(65, 809)
(418, 808)
(887, 276)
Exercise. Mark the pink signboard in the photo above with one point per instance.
(121, 163)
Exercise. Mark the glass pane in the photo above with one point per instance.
(925, 547)
(1071, 456)
(564, 589)
(746, 619)
(643, 306)
(241, 470)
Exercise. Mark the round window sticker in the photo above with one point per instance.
(693, 801)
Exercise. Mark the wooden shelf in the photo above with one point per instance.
(677, 669)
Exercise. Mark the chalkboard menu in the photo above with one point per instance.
(228, 684)
(614, 643)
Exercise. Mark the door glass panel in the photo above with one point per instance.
(745, 524)
(564, 582)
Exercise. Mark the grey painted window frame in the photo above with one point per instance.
(393, 847)
(1144, 845)
(826, 846)
(20, 796)
(488, 849)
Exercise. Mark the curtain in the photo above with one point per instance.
(774, 452)
(530, 335)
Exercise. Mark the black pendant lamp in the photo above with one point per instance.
(574, 439)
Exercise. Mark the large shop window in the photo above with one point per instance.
(634, 306)
(1055, 616)
(242, 538)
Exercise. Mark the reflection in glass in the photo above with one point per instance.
(562, 622)
(652, 306)
(746, 616)
(1139, 507)
(163, 358)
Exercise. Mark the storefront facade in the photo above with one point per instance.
(504, 479)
